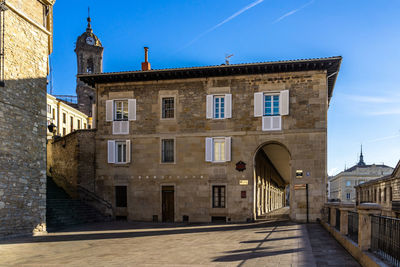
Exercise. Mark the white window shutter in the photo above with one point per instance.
(94, 116)
(128, 151)
(284, 103)
(228, 149)
(109, 110)
(276, 122)
(267, 123)
(132, 109)
(271, 123)
(209, 149)
(124, 127)
(116, 128)
(228, 106)
(210, 107)
(111, 151)
(258, 104)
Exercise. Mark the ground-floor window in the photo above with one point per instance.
(218, 196)
(121, 197)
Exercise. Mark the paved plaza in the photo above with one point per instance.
(269, 243)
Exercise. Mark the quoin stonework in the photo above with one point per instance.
(27, 29)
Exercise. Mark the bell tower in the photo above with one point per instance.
(89, 55)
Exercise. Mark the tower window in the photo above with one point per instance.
(89, 67)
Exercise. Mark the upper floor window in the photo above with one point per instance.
(218, 149)
(168, 108)
(167, 151)
(271, 105)
(348, 183)
(219, 106)
(54, 114)
(79, 124)
(121, 110)
(119, 151)
(48, 108)
(64, 118)
(347, 195)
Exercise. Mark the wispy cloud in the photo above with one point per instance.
(384, 138)
(333, 171)
(389, 111)
(244, 9)
(373, 99)
(293, 12)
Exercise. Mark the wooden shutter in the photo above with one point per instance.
(284, 103)
(128, 151)
(228, 142)
(132, 109)
(258, 104)
(228, 106)
(94, 116)
(111, 151)
(209, 149)
(109, 110)
(210, 107)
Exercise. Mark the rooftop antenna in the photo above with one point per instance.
(227, 58)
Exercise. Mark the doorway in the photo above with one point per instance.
(168, 204)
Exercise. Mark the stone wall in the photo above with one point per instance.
(23, 121)
(70, 161)
(303, 134)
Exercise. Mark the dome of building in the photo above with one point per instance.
(88, 37)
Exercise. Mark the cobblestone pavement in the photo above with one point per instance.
(269, 243)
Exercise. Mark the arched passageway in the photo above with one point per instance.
(272, 175)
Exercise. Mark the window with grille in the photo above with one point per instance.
(167, 151)
(168, 108)
(218, 196)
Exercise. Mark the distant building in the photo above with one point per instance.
(26, 28)
(341, 186)
(385, 191)
(64, 117)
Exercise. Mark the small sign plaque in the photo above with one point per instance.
(243, 182)
(299, 186)
(240, 166)
(299, 174)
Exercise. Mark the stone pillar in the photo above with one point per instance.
(344, 218)
(364, 223)
(333, 213)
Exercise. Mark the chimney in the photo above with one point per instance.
(146, 63)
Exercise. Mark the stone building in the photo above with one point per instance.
(384, 191)
(64, 117)
(25, 43)
(213, 143)
(89, 55)
(342, 185)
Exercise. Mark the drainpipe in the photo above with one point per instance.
(307, 201)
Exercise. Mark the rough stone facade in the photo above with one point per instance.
(27, 44)
(70, 161)
(189, 176)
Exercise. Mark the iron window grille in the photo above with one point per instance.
(168, 108)
(218, 196)
(167, 151)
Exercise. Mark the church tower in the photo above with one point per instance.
(89, 54)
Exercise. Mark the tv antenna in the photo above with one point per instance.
(227, 58)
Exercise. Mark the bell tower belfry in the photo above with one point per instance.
(89, 54)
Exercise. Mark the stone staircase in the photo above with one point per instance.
(63, 211)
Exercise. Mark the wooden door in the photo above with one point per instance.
(168, 205)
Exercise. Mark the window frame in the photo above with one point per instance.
(220, 97)
(123, 102)
(272, 95)
(221, 200)
(163, 106)
(118, 200)
(123, 150)
(219, 140)
(162, 149)
(348, 183)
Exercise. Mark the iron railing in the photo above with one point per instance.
(385, 238)
(337, 226)
(352, 230)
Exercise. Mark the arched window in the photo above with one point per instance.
(89, 66)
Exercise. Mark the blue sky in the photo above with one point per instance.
(365, 107)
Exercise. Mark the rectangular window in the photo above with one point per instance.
(218, 196)
(219, 107)
(121, 197)
(120, 152)
(48, 108)
(167, 150)
(54, 114)
(72, 124)
(79, 124)
(271, 105)
(219, 149)
(384, 194)
(168, 108)
(64, 131)
(348, 183)
(64, 118)
(121, 110)
(84, 125)
(347, 195)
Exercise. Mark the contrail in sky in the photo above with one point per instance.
(384, 138)
(223, 22)
(293, 11)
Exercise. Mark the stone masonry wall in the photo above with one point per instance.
(303, 134)
(70, 161)
(23, 125)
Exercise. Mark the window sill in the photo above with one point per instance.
(120, 164)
